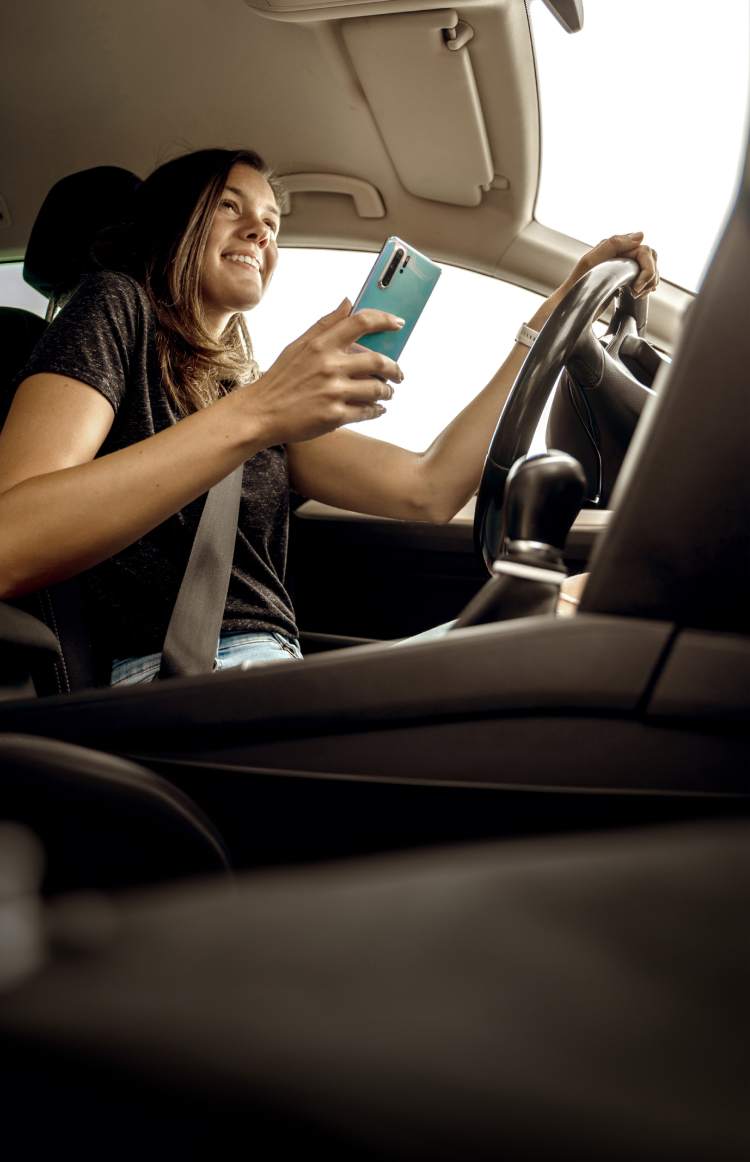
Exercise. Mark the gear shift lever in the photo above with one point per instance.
(543, 495)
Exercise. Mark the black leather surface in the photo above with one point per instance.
(678, 544)
(75, 209)
(578, 999)
(19, 333)
(383, 746)
(104, 822)
(25, 635)
(594, 664)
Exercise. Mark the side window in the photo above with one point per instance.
(463, 336)
(14, 292)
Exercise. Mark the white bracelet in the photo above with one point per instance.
(526, 335)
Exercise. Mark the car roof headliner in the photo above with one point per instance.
(134, 84)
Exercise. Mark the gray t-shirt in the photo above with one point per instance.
(105, 337)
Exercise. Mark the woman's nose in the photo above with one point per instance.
(258, 231)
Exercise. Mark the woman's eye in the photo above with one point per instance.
(230, 205)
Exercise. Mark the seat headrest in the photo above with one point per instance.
(74, 211)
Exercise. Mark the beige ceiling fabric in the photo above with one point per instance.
(424, 99)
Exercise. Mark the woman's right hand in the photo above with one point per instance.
(324, 380)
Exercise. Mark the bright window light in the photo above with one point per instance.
(643, 123)
(465, 332)
(14, 292)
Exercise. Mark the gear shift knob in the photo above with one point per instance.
(543, 496)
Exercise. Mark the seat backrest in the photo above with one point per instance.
(75, 210)
(104, 822)
(78, 666)
(678, 546)
(20, 331)
(58, 606)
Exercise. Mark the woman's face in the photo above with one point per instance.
(241, 252)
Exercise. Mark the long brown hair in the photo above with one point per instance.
(163, 247)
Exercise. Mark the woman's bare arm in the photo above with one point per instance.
(349, 470)
(62, 510)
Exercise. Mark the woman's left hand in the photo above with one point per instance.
(622, 246)
(571, 592)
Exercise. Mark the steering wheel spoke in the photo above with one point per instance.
(566, 335)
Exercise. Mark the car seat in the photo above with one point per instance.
(105, 823)
(74, 212)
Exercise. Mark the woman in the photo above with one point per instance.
(143, 393)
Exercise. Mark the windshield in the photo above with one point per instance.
(643, 123)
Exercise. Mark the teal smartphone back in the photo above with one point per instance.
(404, 293)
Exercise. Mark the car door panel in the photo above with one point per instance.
(357, 578)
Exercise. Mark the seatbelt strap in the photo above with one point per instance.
(195, 625)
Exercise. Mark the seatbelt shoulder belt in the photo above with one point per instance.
(193, 632)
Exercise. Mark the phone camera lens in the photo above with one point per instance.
(392, 268)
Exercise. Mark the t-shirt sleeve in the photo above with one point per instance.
(93, 337)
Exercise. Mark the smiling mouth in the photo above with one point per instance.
(245, 260)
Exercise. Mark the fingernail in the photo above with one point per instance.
(636, 234)
(401, 322)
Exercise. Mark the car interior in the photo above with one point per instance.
(310, 853)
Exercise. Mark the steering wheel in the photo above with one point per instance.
(565, 341)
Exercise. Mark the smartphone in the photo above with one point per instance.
(400, 282)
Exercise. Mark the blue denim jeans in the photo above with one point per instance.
(243, 649)
(237, 649)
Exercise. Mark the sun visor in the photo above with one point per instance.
(416, 73)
